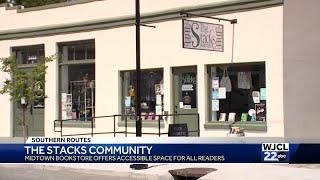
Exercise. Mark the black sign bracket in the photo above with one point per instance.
(232, 21)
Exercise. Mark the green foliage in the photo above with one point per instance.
(24, 84)
(3, 1)
(33, 3)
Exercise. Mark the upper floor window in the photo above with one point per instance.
(77, 50)
(28, 54)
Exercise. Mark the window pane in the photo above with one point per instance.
(77, 89)
(90, 52)
(29, 54)
(237, 92)
(71, 53)
(80, 52)
(151, 93)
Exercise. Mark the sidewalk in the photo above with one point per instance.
(160, 171)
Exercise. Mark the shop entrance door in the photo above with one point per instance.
(185, 97)
(34, 116)
(34, 121)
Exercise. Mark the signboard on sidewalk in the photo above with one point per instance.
(201, 35)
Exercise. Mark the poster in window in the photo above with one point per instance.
(187, 98)
(66, 106)
(215, 82)
(69, 98)
(188, 89)
(222, 93)
(127, 101)
(260, 112)
(181, 105)
(158, 110)
(256, 97)
(215, 105)
(158, 99)
(158, 89)
(263, 94)
(187, 107)
(215, 94)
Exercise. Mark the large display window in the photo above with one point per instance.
(237, 93)
(151, 93)
(77, 80)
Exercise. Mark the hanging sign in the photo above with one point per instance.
(204, 36)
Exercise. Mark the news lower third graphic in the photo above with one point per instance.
(139, 150)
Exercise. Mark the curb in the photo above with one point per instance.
(129, 174)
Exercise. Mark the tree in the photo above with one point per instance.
(32, 3)
(24, 87)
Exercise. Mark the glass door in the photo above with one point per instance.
(185, 97)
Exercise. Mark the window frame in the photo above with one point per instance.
(69, 63)
(216, 124)
(130, 121)
(28, 48)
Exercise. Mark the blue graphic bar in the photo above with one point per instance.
(160, 153)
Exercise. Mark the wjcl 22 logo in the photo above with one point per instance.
(275, 152)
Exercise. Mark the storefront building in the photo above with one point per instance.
(240, 84)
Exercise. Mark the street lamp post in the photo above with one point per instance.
(138, 72)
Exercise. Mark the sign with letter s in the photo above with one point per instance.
(203, 36)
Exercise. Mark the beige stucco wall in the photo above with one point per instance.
(5, 105)
(258, 37)
(87, 11)
(301, 66)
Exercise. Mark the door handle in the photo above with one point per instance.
(175, 109)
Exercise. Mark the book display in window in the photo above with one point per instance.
(66, 106)
(261, 112)
(151, 94)
(130, 101)
(159, 100)
(238, 91)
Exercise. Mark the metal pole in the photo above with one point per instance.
(126, 127)
(92, 127)
(159, 125)
(114, 126)
(138, 71)
(61, 127)
(198, 116)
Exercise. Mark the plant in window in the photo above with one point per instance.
(24, 87)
